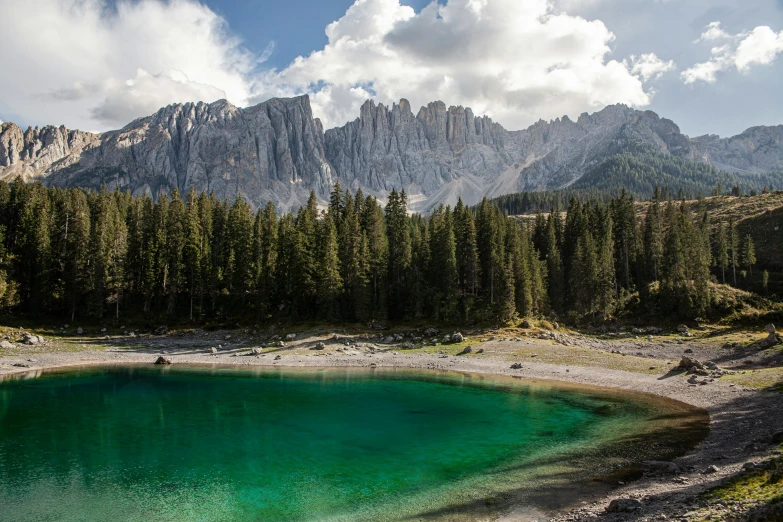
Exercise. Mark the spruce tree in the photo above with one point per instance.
(329, 282)
(749, 253)
(399, 238)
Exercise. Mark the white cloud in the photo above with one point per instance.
(741, 52)
(713, 32)
(650, 67)
(88, 66)
(99, 64)
(516, 61)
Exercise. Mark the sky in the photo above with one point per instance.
(712, 66)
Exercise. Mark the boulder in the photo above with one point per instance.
(457, 338)
(772, 339)
(290, 337)
(6, 345)
(683, 329)
(163, 360)
(213, 350)
(278, 358)
(624, 505)
(687, 363)
(388, 340)
(466, 350)
(79, 330)
(480, 350)
(711, 469)
(31, 339)
(320, 346)
(526, 324)
(431, 332)
(255, 351)
(661, 467)
(280, 344)
(516, 366)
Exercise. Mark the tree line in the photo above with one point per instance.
(76, 253)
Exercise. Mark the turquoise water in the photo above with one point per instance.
(146, 443)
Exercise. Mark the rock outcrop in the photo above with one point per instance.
(278, 151)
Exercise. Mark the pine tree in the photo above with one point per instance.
(722, 250)
(192, 248)
(399, 238)
(267, 262)
(73, 238)
(733, 248)
(329, 282)
(206, 259)
(443, 263)
(749, 253)
(551, 253)
(304, 269)
(175, 241)
(605, 266)
(240, 247)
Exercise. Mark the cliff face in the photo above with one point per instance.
(758, 149)
(389, 148)
(277, 151)
(272, 151)
(31, 153)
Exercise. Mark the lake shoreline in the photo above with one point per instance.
(741, 419)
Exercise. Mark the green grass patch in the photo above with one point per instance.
(758, 493)
(766, 378)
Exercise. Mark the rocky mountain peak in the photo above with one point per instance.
(277, 150)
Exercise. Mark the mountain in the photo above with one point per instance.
(278, 151)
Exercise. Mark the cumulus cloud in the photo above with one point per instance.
(102, 63)
(650, 67)
(516, 61)
(740, 51)
(99, 64)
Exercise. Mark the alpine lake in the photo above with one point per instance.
(204, 443)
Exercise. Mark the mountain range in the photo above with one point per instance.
(279, 151)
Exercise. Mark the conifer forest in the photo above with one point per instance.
(81, 254)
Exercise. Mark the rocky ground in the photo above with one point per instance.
(707, 368)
